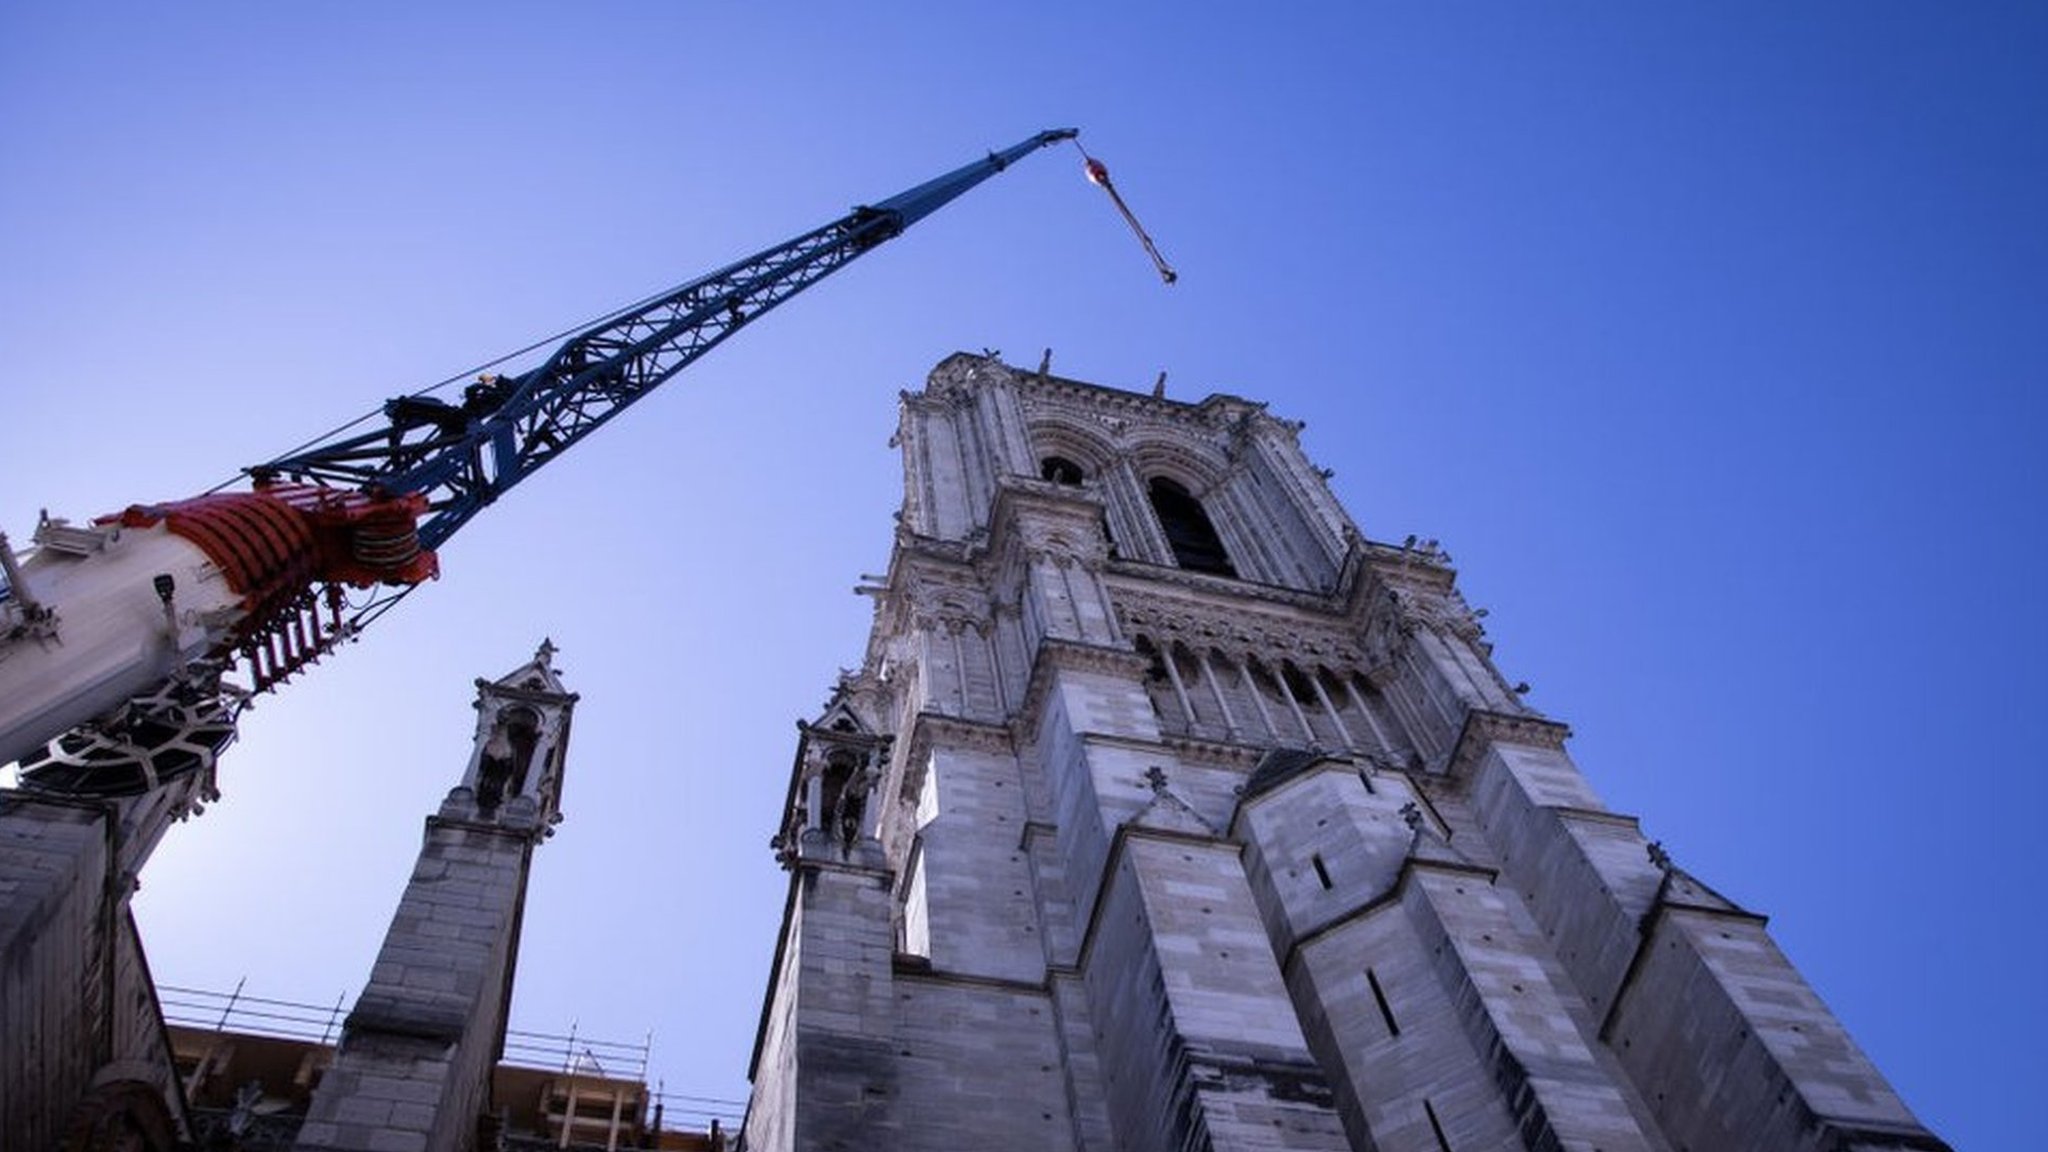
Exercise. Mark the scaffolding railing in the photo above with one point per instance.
(681, 1113)
(573, 1052)
(238, 1011)
(567, 1053)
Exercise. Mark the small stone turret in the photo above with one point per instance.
(514, 777)
(832, 814)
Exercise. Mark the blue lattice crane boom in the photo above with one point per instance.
(462, 457)
(115, 635)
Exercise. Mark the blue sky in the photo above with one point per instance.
(1708, 339)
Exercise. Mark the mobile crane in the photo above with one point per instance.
(118, 636)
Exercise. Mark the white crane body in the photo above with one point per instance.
(86, 629)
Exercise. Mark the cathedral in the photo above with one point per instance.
(1167, 812)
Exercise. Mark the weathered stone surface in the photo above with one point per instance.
(1079, 915)
(78, 1013)
(413, 1070)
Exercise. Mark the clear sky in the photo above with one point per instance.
(1709, 339)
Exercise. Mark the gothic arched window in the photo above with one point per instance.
(842, 797)
(1188, 530)
(507, 757)
(1060, 470)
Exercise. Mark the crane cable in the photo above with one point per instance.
(475, 373)
(1096, 171)
(1098, 175)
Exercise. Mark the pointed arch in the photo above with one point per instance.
(1080, 444)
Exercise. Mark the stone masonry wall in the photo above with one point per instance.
(978, 1065)
(1735, 1050)
(979, 908)
(413, 1067)
(53, 866)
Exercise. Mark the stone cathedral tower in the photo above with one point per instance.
(1168, 813)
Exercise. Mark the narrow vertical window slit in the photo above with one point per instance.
(1322, 872)
(1379, 996)
(1436, 1125)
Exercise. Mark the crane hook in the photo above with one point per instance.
(1098, 175)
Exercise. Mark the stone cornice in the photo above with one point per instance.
(930, 729)
(1161, 593)
(526, 695)
(1219, 753)
(1244, 627)
(1113, 740)
(1483, 729)
(903, 966)
(884, 876)
(1032, 488)
(1405, 566)
(807, 732)
(1216, 410)
(1055, 654)
(912, 547)
(1595, 816)
(957, 375)
(1137, 574)
(529, 833)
